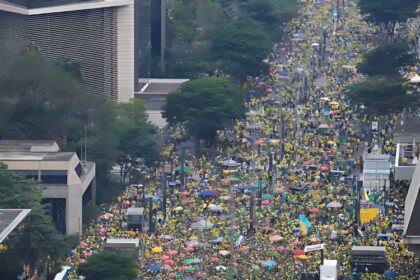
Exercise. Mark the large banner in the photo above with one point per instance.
(368, 214)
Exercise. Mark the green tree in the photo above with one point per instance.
(138, 139)
(389, 13)
(382, 96)
(271, 13)
(109, 266)
(38, 243)
(240, 47)
(386, 59)
(204, 106)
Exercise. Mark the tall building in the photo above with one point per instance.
(101, 36)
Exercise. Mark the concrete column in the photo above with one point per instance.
(74, 210)
(93, 191)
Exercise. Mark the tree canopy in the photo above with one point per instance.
(386, 59)
(240, 47)
(389, 12)
(37, 243)
(205, 105)
(109, 266)
(382, 95)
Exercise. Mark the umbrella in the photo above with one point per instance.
(157, 250)
(241, 188)
(314, 210)
(185, 193)
(191, 261)
(208, 193)
(214, 260)
(224, 253)
(83, 244)
(230, 163)
(178, 208)
(391, 274)
(167, 237)
(190, 269)
(280, 248)
(203, 224)
(276, 238)
(169, 262)
(154, 268)
(216, 241)
(259, 142)
(164, 258)
(302, 257)
(224, 197)
(324, 168)
(168, 267)
(189, 249)
(269, 263)
(334, 204)
(201, 275)
(297, 243)
(172, 252)
(266, 202)
(221, 268)
(415, 79)
(323, 126)
(216, 208)
(267, 228)
(267, 196)
(106, 216)
(298, 252)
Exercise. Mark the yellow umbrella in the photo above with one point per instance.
(179, 208)
(157, 250)
(303, 257)
(331, 142)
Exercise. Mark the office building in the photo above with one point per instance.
(68, 183)
(101, 36)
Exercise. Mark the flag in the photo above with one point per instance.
(365, 196)
(305, 224)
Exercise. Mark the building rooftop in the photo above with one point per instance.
(407, 130)
(30, 156)
(10, 219)
(61, 8)
(160, 86)
(28, 146)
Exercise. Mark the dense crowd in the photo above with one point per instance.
(298, 153)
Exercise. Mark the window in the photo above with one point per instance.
(54, 177)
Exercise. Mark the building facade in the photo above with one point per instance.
(100, 36)
(68, 183)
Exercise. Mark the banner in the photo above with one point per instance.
(367, 215)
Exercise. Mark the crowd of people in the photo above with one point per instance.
(278, 181)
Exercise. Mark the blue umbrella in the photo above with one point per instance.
(154, 268)
(188, 278)
(207, 193)
(384, 235)
(391, 274)
(296, 229)
(216, 241)
(241, 188)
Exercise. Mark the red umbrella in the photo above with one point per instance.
(268, 90)
(169, 262)
(189, 249)
(185, 193)
(314, 210)
(164, 258)
(297, 243)
(259, 142)
(328, 153)
(172, 252)
(324, 168)
(83, 244)
(266, 202)
(298, 252)
(306, 163)
(172, 275)
(280, 248)
(267, 229)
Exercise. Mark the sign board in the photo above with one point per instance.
(315, 247)
(368, 214)
(375, 126)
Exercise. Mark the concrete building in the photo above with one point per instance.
(100, 36)
(67, 182)
(411, 214)
(153, 92)
(407, 139)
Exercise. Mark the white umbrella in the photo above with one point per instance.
(334, 204)
(415, 79)
(203, 224)
(230, 163)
